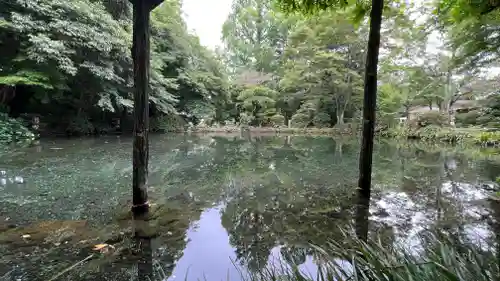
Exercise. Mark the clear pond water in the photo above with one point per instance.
(229, 204)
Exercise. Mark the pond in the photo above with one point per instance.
(229, 205)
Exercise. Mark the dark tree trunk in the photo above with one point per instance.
(143, 250)
(362, 217)
(370, 97)
(141, 56)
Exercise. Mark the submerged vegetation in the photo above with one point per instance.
(256, 197)
(66, 69)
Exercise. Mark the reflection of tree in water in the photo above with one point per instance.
(294, 255)
(249, 224)
(286, 192)
(437, 193)
(297, 190)
(259, 221)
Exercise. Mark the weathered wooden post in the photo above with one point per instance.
(141, 57)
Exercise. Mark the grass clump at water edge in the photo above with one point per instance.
(441, 260)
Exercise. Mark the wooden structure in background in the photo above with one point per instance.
(141, 58)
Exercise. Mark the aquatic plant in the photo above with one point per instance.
(442, 260)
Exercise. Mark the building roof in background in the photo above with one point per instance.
(252, 78)
(459, 104)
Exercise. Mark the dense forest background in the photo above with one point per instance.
(68, 64)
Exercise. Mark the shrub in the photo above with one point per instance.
(322, 120)
(434, 118)
(80, 126)
(277, 120)
(470, 118)
(246, 119)
(300, 120)
(400, 131)
(167, 123)
(13, 130)
(488, 138)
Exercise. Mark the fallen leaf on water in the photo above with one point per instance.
(26, 236)
(99, 247)
(103, 248)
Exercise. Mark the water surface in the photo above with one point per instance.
(237, 204)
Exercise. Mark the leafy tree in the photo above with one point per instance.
(471, 25)
(259, 105)
(255, 35)
(370, 93)
(72, 60)
(323, 63)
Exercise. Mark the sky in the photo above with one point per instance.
(205, 18)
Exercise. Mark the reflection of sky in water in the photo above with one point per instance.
(400, 210)
(208, 252)
(209, 256)
(208, 169)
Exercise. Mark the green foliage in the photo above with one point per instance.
(13, 130)
(442, 260)
(277, 120)
(80, 125)
(73, 59)
(254, 36)
(26, 78)
(389, 103)
(322, 120)
(470, 25)
(432, 118)
(432, 134)
(470, 118)
(325, 70)
(167, 123)
(488, 138)
(259, 103)
(490, 116)
(300, 120)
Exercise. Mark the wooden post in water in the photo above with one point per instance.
(370, 100)
(141, 57)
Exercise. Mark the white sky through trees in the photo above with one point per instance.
(205, 18)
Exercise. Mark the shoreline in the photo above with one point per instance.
(273, 130)
(473, 137)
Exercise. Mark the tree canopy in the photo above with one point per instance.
(276, 67)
